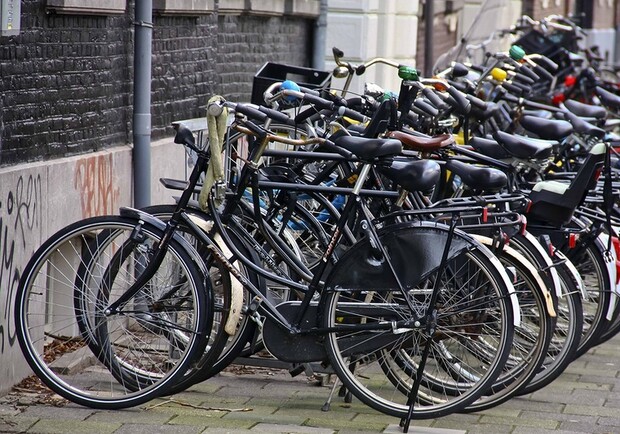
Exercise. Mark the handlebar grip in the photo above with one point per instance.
(434, 99)
(546, 63)
(516, 90)
(543, 73)
(250, 112)
(525, 70)
(352, 114)
(477, 102)
(462, 105)
(276, 115)
(425, 107)
(319, 102)
(522, 78)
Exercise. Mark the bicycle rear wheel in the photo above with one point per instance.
(468, 334)
(120, 359)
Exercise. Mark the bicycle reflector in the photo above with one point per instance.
(570, 80)
(616, 243)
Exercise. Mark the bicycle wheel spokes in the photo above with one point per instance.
(468, 340)
(102, 359)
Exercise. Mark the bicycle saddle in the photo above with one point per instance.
(488, 147)
(365, 148)
(477, 177)
(585, 110)
(607, 98)
(582, 127)
(549, 129)
(422, 144)
(413, 175)
(524, 147)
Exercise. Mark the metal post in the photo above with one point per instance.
(142, 104)
(320, 35)
(429, 13)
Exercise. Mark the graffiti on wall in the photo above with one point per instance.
(20, 216)
(95, 182)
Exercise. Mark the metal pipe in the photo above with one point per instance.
(429, 14)
(142, 103)
(319, 38)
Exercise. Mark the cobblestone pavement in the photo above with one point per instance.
(585, 399)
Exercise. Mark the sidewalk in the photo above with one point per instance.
(585, 399)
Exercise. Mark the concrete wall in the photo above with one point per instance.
(37, 199)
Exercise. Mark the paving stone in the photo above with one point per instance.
(216, 422)
(530, 430)
(131, 416)
(130, 428)
(10, 424)
(63, 426)
(290, 429)
(69, 412)
(590, 410)
(499, 420)
(394, 429)
(532, 404)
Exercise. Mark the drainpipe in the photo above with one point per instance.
(429, 15)
(142, 104)
(320, 35)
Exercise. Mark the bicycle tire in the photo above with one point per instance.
(134, 340)
(374, 386)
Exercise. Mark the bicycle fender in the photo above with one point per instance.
(523, 261)
(551, 269)
(415, 253)
(574, 273)
(236, 290)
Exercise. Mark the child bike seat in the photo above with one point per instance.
(554, 202)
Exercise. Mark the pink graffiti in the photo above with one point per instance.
(94, 179)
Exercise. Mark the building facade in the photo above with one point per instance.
(66, 103)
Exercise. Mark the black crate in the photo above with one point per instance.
(270, 73)
(534, 42)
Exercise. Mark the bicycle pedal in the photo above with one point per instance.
(295, 370)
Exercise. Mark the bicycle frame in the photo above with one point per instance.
(260, 302)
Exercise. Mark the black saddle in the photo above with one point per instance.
(477, 177)
(585, 110)
(413, 175)
(489, 147)
(607, 98)
(367, 149)
(583, 127)
(524, 147)
(550, 129)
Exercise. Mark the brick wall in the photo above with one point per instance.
(245, 43)
(66, 80)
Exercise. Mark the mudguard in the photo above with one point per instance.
(415, 250)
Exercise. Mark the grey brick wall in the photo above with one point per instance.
(66, 80)
(63, 84)
(245, 43)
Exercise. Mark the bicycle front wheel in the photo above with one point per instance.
(467, 334)
(102, 359)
